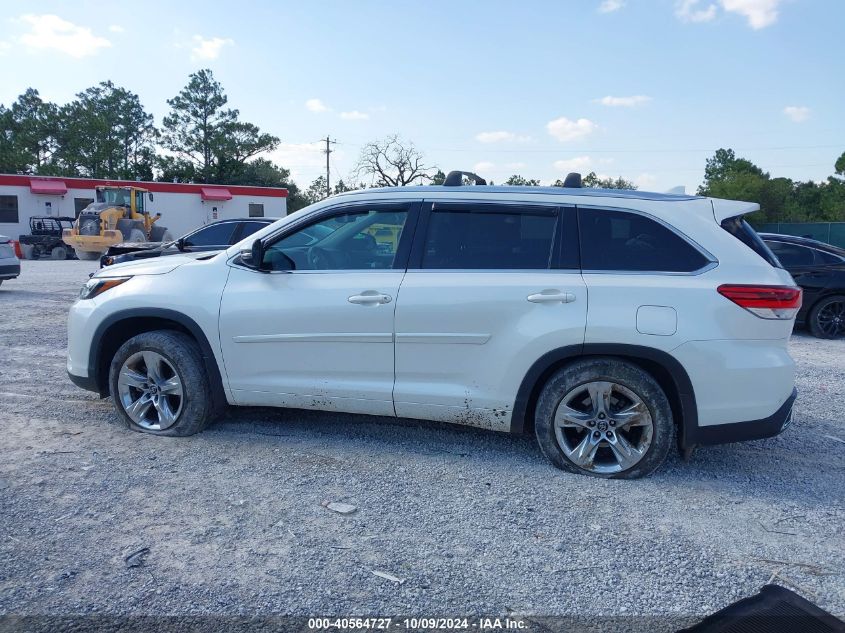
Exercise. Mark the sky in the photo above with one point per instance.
(643, 89)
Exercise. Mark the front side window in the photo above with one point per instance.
(211, 235)
(622, 241)
(363, 239)
(479, 238)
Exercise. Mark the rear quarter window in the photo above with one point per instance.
(742, 231)
(614, 240)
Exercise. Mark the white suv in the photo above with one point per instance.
(611, 323)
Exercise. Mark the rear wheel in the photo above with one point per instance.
(604, 417)
(827, 318)
(159, 384)
(58, 253)
(137, 235)
(86, 255)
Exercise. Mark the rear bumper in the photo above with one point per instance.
(742, 431)
(10, 271)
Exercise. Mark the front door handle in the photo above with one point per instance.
(551, 296)
(370, 297)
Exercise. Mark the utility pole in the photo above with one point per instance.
(328, 151)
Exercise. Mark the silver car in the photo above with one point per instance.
(10, 265)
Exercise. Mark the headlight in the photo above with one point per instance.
(95, 287)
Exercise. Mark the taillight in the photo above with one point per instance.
(766, 302)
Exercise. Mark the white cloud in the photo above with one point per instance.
(799, 114)
(694, 11)
(624, 102)
(564, 129)
(579, 163)
(205, 49)
(50, 32)
(609, 6)
(116, 28)
(760, 13)
(316, 105)
(500, 136)
(354, 115)
(483, 166)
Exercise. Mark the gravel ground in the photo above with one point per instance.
(473, 521)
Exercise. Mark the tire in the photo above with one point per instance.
(28, 251)
(160, 234)
(136, 235)
(573, 445)
(163, 409)
(58, 253)
(827, 318)
(86, 255)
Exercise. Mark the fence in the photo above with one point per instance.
(830, 232)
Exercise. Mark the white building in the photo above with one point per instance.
(183, 207)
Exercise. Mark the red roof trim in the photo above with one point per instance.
(47, 187)
(11, 180)
(215, 193)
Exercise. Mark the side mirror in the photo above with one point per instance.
(256, 254)
(180, 244)
(150, 195)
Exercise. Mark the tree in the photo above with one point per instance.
(726, 176)
(518, 181)
(106, 133)
(839, 167)
(28, 134)
(207, 137)
(392, 162)
(438, 178)
(593, 181)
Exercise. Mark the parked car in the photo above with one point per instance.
(613, 324)
(819, 269)
(212, 237)
(10, 265)
(45, 238)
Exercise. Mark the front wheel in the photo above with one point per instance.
(58, 253)
(606, 418)
(827, 318)
(159, 384)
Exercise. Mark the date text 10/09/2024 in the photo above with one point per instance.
(362, 623)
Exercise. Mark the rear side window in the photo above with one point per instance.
(742, 231)
(479, 238)
(792, 254)
(212, 235)
(619, 240)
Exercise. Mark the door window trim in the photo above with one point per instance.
(565, 239)
(712, 262)
(400, 260)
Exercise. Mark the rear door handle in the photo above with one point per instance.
(370, 297)
(551, 296)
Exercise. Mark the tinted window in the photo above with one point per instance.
(357, 240)
(489, 239)
(248, 228)
(617, 240)
(8, 208)
(792, 254)
(212, 235)
(829, 258)
(742, 231)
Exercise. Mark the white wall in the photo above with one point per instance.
(180, 212)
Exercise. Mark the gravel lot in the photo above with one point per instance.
(473, 521)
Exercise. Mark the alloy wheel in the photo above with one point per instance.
(150, 390)
(603, 427)
(831, 319)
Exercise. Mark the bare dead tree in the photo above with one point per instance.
(392, 162)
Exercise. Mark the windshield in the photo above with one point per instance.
(115, 196)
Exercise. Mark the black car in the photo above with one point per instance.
(211, 237)
(819, 269)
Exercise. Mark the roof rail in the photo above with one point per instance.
(572, 180)
(456, 178)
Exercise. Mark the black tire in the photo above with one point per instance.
(828, 329)
(182, 353)
(58, 253)
(629, 377)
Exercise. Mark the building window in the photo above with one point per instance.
(79, 204)
(256, 210)
(9, 209)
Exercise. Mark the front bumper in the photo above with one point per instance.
(10, 271)
(741, 431)
(85, 382)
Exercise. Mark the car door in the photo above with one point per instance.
(490, 288)
(316, 331)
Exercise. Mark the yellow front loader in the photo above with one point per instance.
(116, 215)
